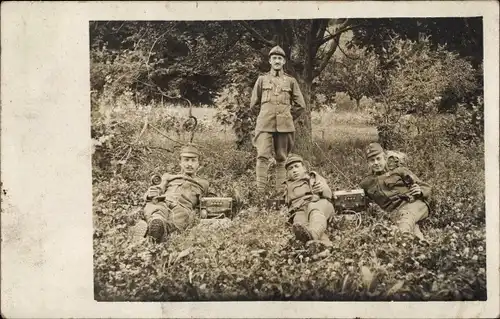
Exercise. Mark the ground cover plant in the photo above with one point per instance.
(414, 85)
(254, 257)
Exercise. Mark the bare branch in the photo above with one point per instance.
(256, 34)
(162, 93)
(151, 147)
(174, 97)
(119, 28)
(346, 55)
(152, 47)
(327, 55)
(164, 135)
(322, 27)
(343, 28)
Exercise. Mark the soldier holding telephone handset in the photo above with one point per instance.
(307, 196)
(396, 189)
(174, 199)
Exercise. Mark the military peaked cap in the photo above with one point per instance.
(293, 158)
(190, 151)
(277, 50)
(373, 149)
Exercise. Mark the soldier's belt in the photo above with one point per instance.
(217, 207)
(167, 201)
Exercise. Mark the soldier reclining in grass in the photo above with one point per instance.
(170, 206)
(396, 189)
(307, 197)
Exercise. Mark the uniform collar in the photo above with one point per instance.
(384, 172)
(279, 73)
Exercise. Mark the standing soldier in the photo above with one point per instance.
(171, 205)
(279, 100)
(397, 190)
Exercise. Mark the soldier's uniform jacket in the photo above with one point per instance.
(299, 192)
(183, 190)
(280, 101)
(386, 189)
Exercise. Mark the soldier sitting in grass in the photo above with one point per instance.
(396, 189)
(171, 205)
(307, 196)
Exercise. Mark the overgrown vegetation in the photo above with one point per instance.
(408, 65)
(254, 257)
(414, 95)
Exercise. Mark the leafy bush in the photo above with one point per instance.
(468, 126)
(233, 101)
(413, 79)
(352, 73)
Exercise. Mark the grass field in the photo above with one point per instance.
(329, 125)
(254, 257)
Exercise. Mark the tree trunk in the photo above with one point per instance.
(358, 100)
(303, 134)
(303, 138)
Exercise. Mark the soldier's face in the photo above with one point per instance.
(277, 62)
(377, 163)
(296, 171)
(189, 165)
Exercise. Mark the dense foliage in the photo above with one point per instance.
(416, 87)
(254, 257)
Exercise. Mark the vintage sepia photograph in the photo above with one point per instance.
(336, 159)
(246, 159)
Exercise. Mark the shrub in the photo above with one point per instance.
(468, 126)
(233, 101)
(413, 79)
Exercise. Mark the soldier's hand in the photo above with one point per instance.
(153, 191)
(318, 187)
(415, 190)
(374, 208)
(203, 213)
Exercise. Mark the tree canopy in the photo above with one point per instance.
(202, 61)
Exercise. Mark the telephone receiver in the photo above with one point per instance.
(155, 180)
(312, 180)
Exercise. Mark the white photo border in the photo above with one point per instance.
(47, 264)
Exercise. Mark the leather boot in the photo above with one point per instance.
(261, 174)
(418, 232)
(280, 176)
(317, 224)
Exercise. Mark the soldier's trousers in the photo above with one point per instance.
(266, 142)
(408, 214)
(315, 217)
(174, 216)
